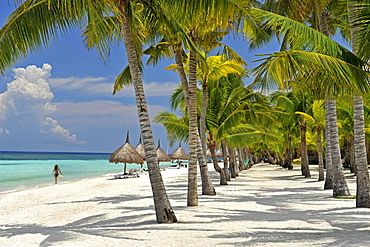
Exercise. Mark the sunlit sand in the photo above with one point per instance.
(265, 206)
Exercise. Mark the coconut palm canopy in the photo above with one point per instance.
(162, 156)
(179, 154)
(140, 149)
(126, 154)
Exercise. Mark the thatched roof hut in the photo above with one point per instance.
(208, 153)
(126, 154)
(140, 149)
(162, 156)
(179, 154)
(219, 153)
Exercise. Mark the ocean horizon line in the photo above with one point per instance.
(53, 152)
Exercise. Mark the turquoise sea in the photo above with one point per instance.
(24, 170)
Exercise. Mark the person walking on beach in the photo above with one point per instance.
(56, 172)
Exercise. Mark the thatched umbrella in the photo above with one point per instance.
(162, 156)
(179, 154)
(208, 153)
(126, 154)
(140, 149)
(219, 153)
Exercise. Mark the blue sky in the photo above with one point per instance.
(61, 98)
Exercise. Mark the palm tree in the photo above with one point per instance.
(235, 116)
(213, 69)
(352, 65)
(20, 38)
(345, 121)
(204, 32)
(316, 120)
(287, 104)
(362, 178)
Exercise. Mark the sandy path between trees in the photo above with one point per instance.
(265, 206)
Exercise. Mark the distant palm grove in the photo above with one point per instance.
(309, 100)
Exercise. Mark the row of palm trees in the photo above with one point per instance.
(188, 30)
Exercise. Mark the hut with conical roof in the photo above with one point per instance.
(126, 154)
(179, 154)
(219, 153)
(162, 156)
(140, 149)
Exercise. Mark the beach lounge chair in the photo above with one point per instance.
(131, 174)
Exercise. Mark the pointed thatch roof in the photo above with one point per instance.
(219, 153)
(162, 156)
(126, 154)
(179, 154)
(140, 149)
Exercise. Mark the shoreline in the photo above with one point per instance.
(52, 183)
(265, 206)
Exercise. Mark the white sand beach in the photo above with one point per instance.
(265, 206)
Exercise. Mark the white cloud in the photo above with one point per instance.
(26, 106)
(101, 114)
(152, 89)
(73, 83)
(102, 86)
(52, 127)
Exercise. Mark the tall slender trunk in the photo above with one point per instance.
(164, 212)
(226, 160)
(218, 169)
(304, 157)
(202, 120)
(234, 174)
(207, 186)
(192, 199)
(320, 156)
(241, 159)
(340, 187)
(328, 161)
(269, 157)
(362, 178)
(289, 160)
(352, 152)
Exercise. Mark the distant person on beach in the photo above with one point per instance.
(56, 172)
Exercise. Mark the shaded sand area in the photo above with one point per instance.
(265, 206)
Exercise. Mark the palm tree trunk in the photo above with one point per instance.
(289, 161)
(218, 169)
(181, 72)
(304, 157)
(320, 156)
(323, 24)
(202, 120)
(207, 186)
(226, 160)
(232, 163)
(352, 153)
(164, 212)
(241, 159)
(340, 187)
(193, 139)
(362, 178)
(328, 161)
